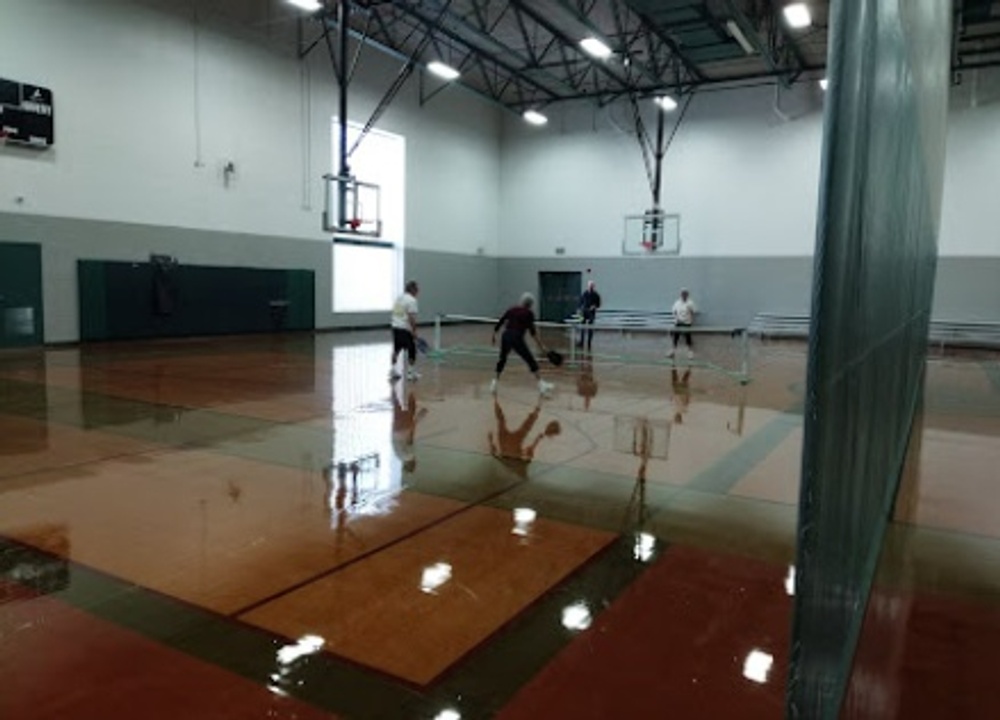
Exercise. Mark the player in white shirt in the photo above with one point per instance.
(404, 331)
(684, 311)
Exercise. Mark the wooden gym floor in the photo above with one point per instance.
(265, 527)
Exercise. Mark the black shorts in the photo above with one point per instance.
(403, 340)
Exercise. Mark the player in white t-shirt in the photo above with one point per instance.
(684, 311)
(404, 331)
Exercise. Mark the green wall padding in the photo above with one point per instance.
(22, 317)
(123, 300)
(873, 284)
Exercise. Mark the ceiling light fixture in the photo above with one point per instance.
(738, 36)
(666, 103)
(308, 5)
(823, 83)
(445, 72)
(797, 15)
(534, 117)
(595, 48)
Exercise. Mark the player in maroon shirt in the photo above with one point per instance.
(516, 323)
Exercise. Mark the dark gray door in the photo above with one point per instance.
(560, 294)
(21, 319)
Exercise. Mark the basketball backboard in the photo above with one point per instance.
(652, 233)
(351, 207)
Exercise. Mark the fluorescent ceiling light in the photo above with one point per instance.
(823, 83)
(738, 36)
(535, 117)
(595, 48)
(797, 15)
(666, 102)
(309, 5)
(445, 72)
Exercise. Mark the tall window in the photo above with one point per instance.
(367, 277)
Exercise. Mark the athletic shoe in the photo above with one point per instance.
(544, 388)
(412, 374)
(690, 354)
(493, 386)
(394, 375)
(670, 353)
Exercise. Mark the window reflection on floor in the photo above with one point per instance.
(366, 473)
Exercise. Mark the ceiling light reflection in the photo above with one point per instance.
(645, 546)
(434, 576)
(523, 518)
(307, 645)
(757, 666)
(576, 616)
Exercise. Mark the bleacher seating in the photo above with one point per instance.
(943, 333)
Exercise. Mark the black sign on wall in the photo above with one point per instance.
(26, 115)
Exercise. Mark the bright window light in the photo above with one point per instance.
(308, 5)
(797, 15)
(595, 48)
(757, 666)
(534, 117)
(445, 72)
(666, 103)
(823, 83)
(367, 278)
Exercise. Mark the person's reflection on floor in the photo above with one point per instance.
(681, 383)
(510, 447)
(586, 385)
(405, 417)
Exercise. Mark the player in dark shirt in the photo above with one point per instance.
(590, 302)
(516, 323)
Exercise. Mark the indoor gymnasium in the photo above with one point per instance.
(459, 359)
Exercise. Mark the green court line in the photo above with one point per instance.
(722, 475)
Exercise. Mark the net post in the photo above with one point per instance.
(745, 354)
(437, 332)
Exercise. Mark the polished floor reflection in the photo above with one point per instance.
(266, 527)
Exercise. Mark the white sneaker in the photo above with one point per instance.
(690, 354)
(394, 375)
(670, 353)
(412, 374)
(544, 388)
(493, 386)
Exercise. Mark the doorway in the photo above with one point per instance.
(560, 294)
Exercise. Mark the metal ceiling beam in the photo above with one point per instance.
(550, 27)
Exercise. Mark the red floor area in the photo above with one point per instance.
(926, 657)
(675, 644)
(58, 663)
